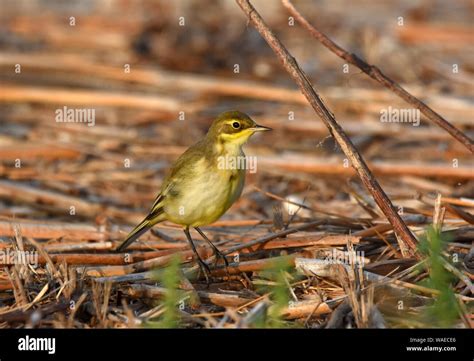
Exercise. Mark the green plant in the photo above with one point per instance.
(170, 279)
(279, 291)
(444, 311)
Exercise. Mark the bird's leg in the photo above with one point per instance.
(202, 265)
(217, 253)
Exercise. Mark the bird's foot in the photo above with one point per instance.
(205, 269)
(218, 254)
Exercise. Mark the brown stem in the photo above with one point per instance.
(292, 67)
(376, 73)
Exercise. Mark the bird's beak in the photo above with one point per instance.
(260, 128)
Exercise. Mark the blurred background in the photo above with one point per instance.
(154, 74)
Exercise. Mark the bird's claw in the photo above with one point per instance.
(205, 269)
(218, 254)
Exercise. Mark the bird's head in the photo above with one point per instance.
(234, 127)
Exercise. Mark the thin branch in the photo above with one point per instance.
(292, 67)
(376, 74)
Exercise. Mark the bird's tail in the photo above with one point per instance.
(153, 218)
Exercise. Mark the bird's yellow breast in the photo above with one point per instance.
(205, 196)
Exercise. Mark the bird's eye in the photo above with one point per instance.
(236, 125)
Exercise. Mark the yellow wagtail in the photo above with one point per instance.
(199, 189)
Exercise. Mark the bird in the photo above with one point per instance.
(203, 182)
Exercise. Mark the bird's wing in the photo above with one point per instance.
(183, 168)
(157, 203)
